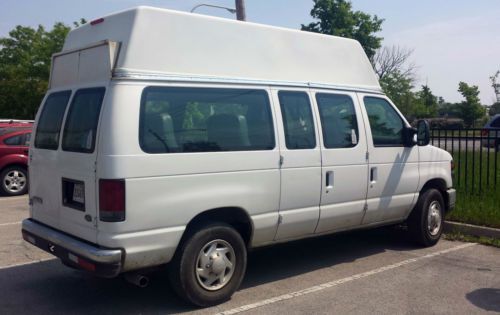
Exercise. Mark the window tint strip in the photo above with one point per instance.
(81, 124)
(49, 123)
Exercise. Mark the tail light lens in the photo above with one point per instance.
(452, 166)
(484, 132)
(112, 200)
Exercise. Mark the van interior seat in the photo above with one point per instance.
(227, 131)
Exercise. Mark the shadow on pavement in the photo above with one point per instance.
(486, 298)
(50, 287)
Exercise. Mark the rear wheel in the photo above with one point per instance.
(209, 266)
(14, 181)
(426, 221)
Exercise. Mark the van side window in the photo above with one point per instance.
(297, 120)
(49, 123)
(385, 123)
(177, 119)
(81, 124)
(338, 120)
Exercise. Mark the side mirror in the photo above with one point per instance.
(409, 136)
(423, 133)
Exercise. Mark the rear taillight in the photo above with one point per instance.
(484, 132)
(452, 167)
(112, 200)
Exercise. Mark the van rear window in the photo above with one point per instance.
(81, 124)
(205, 120)
(49, 123)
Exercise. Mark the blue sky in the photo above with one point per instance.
(453, 40)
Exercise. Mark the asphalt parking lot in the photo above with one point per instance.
(367, 272)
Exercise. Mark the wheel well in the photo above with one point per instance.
(439, 184)
(236, 217)
(14, 164)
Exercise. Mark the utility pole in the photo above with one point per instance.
(240, 10)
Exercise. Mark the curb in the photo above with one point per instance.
(475, 230)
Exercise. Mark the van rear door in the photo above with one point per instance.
(64, 151)
(63, 178)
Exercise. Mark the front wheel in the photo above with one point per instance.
(426, 221)
(14, 181)
(209, 266)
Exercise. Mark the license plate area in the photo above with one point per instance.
(73, 194)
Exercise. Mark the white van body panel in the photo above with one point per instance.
(76, 67)
(166, 191)
(343, 201)
(300, 180)
(434, 164)
(148, 35)
(47, 170)
(285, 193)
(393, 189)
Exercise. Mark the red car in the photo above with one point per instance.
(14, 143)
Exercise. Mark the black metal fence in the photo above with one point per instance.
(476, 156)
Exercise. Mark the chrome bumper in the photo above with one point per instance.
(106, 262)
(452, 198)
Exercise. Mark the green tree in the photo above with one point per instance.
(429, 101)
(25, 57)
(450, 110)
(336, 17)
(398, 88)
(470, 109)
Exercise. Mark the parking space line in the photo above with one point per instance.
(26, 263)
(14, 198)
(10, 223)
(334, 283)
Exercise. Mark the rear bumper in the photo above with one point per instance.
(100, 261)
(452, 198)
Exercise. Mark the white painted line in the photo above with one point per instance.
(334, 283)
(26, 263)
(14, 198)
(10, 223)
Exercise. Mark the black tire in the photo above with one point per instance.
(21, 181)
(182, 269)
(418, 222)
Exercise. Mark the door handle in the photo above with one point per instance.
(329, 180)
(373, 175)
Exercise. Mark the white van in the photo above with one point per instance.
(169, 137)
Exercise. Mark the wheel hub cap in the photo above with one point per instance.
(14, 181)
(434, 218)
(215, 265)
